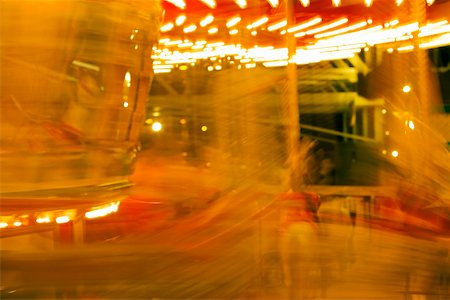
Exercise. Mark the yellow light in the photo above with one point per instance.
(366, 49)
(430, 2)
(178, 3)
(156, 126)
(218, 67)
(411, 125)
(176, 42)
(167, 27)
(190, 28)
(102, 211)
(204, 128)
(180, 20)
(368, 3)
(384, 111)
(157, 71)
(384, 152)
(404, 49)
(398, 2)
(125, 104)
(127, 79)
(183, 68)
(234, 32)
(342, 30)
(394, 153)
(259, 22)
(273, 3)
(213, 30)
(328, 26)
(233, 21)
(207, 20)
(17, 223)
(336, 3)
(393, 22)
(390, 50)
(254, 33)
(306, 24)
(42, 220)
(406, 89)
(62, 219)
(210, 68)
(3, 224)
(241, 3)
(210, 3)
(185, 45)
(277, 26)
(305, 3)
(183, 121)
(387, 132)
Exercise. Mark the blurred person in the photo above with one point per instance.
(299, 240)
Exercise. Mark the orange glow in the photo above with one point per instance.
(42, 220)
(305, 3)
(368, 3)
(213, 30)
(336, 3)
(3, 224)
(234, 32)
(17, 223)
(178, 3)
(102, 211)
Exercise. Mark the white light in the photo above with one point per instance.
(342, 30)
(17, 223)
(207, 20)
(3, 224)
(210, 3)
(304, 25)
(156, 126)
(213, 30)
(102, 211)
(273, 3)
(180, 20)
(259, 22)
(62, 219)
(167, 27)
(254, 33)
(277, 26)
(233, 21)
(384, 111)
(394, 153)
(241, 3)
(406, 89)
(125, 104)
(127, 79)
(234, 32)
(368, 3)
(430, 2)
(398, 2)
(328, 26)
(42, 220)
(336, 3)
(411, 125)
(190, 28)
(305, 3)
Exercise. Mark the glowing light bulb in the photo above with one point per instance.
(156, 126)
(406, 89)
(394, 153)
(204, 128)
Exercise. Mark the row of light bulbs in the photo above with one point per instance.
(58, 217)
(273, 3)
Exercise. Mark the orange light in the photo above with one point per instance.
(336, 3)
(3, 224)
(167, 27)
(213, 30)
(328, 26)
(305, 3)
(368, 3)
(102, 211)
(234, 32)
(42, 220)
(17, 223)
(342, 30)
(190, 28)
(259, 22)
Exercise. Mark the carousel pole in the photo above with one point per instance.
(290, 105)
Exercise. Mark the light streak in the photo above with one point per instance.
(304, 25)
